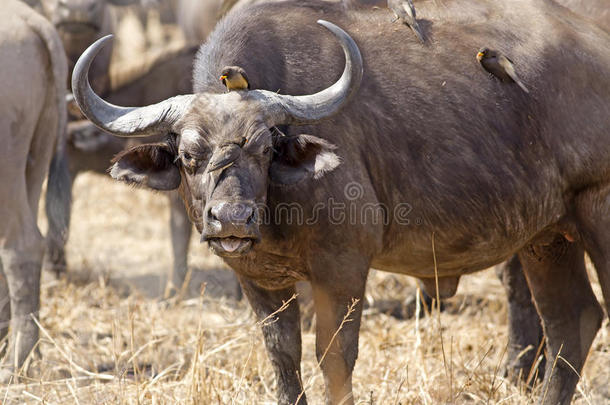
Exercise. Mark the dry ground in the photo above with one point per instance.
(108, 337)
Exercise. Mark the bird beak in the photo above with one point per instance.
(223, 77)
(480, 55)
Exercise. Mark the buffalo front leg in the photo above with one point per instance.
(181, 230)
(282, 334)
(524, 327)
(337, 294)
(571, 315)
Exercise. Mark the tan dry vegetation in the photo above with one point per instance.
(104, 343)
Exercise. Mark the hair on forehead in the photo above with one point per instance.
(196, 137)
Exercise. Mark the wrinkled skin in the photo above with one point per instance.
(32, 122)
(486, 170)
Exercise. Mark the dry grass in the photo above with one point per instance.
(104, 343)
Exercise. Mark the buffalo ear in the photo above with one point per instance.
(150, 165)
(300, 157)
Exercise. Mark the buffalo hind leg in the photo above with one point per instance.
(593, 216)
(571, 315)
(58, 201)
(334, 291)
(524, 327)
(282, 334)
(21, 251)
(5, 306)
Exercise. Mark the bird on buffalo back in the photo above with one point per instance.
(404, 10)
(234, 78)
(499, 66)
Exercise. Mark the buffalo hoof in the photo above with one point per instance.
(525, 368)
(55, 262)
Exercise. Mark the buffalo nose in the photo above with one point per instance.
(233, 213)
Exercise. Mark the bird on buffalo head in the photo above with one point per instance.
(404, 10)
(499, 66)
(234, 78)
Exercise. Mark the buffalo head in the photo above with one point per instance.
(76, 16)
(224, 149)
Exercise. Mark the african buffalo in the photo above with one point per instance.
(462, 170)
(91, 149)
(32, 123)
(79, 23)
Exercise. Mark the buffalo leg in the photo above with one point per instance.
(594, 226)
(571, 315)
(282, 334)
(21, 244)
(181, 230)
(427, 302)
(58, 209)
(333, 292)
(5, 307)
(21, 251)
(524, 327)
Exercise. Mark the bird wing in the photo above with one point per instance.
(417, 31)
(508, 65)
(243, 73)
(509, 68)
(404, 10)
(398, 9)
(407, 5)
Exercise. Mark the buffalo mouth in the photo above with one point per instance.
(230, 246)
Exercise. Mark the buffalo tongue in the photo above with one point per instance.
(230, 244)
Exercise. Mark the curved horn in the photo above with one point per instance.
(122, 121)
(324, 104)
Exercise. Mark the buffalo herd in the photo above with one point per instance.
(399, 154)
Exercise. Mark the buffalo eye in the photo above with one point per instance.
(190, 163)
